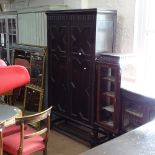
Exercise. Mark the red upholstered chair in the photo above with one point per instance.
(12, 77)
(12, 129)
(29, 141)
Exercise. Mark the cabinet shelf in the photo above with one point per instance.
(109, 108)
(129, 128)
(109, 93)
(109, 78)
(134, 112)
(109, 123)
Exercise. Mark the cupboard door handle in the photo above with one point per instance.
(80, 53)
(73, 85)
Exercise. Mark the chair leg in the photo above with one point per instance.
(20, 151)
(1, 143)
(45, 151)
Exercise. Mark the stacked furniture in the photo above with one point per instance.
(34, 59)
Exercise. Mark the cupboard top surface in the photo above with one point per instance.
(82, 11)
(29, 48)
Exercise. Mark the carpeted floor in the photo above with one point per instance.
(60, 144)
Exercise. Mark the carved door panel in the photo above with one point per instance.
(58, 83)
(71, 45)
(81, 89)
(82, 35)
(58, 62)
(58, 29)
(82, 41)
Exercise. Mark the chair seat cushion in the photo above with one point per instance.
(12, 129)
(11, 143)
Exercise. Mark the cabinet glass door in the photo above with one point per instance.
(107, 95)
(12, 35)
(3, 53)
(108, 86)
(8, 35)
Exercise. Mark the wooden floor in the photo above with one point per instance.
(60, 144)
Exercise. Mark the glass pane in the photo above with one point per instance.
(3, 26)
(12, 26)
(0, 26)
(14, 39)
(0, 41)
(10, 40)
(3, 39)
(3, 54)
(11, 56)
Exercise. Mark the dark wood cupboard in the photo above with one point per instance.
(137, 109)
(75, 37)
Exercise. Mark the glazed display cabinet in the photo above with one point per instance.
(108, 81)
(8, 34)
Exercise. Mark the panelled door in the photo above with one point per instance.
(71, 59)
(82, 40)
(58, 62)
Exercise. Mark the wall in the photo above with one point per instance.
(18, 4)
(34, 3)
(77, 3)
(45, 2)
(125, 8)
(125, 26)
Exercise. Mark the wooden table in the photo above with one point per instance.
(9, 113)
(140, 141)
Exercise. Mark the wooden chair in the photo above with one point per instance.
(1, 137)
(29, 141)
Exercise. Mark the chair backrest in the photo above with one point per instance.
(1, 137)
(44, 115)
(13, 76)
